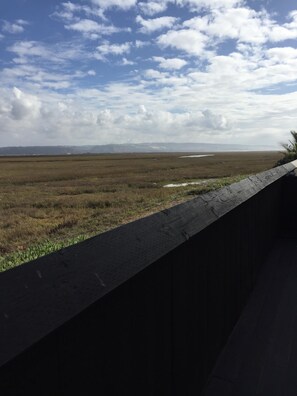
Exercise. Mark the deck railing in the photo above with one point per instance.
(144, 309)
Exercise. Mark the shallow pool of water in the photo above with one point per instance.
(197, 156)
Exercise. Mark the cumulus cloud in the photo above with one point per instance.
(169, 63)
(106, 49)
(151, 25)
(152, 7)
(215, 121)
(142, 109)
(197, 5)
(92, 29)
(68, 11)
(122, 4)
(77, 17)
(141, 44)
(250, 69)
(78, 120)
(243, 24)
(286, 31)
(56, 53)
(29, 48)
(14, 27)
(105, 117)
(42, 77)
(24, 105)
(156, 117)
(197, 90)
(281, 54)
(127, 62)
(188, 40)
(91, 73)
(154, 74)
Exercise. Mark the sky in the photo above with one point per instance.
(128, 71)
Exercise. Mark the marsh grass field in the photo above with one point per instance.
(47, 203)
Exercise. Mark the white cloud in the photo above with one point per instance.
(281, 54)
(24, 105)
(91, 73)
(71, 7)
(195, 112)
(188, 40)
(67, 12)
(105, 117)
(215, 121)
(293, 17)
(142, 109)
(154, 74)
(22, 22)
(154, 24)
(285, 32)
(40, 76)
(226, 96)
(92, 29)
(242, 24)
(280, 33)
(152, 7)
(252, 69)
(105, 49)
(30, 51)
(127, 62)
(197, 5)
(141, 44)
(169, 63)
(14, 27)
(122, 4)
(29, 48)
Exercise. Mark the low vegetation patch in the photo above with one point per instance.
(47, 203)
(36, 251)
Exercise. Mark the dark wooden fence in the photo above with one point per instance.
(144, 309)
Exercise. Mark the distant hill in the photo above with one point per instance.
(130, 148)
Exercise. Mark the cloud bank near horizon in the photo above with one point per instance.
(218, 71)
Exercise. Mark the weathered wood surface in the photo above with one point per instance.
(176, 272)
(37, 297)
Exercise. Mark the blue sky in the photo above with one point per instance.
(118, 71)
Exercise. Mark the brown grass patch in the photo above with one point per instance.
(62, 197)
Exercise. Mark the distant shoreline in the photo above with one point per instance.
(139, 148)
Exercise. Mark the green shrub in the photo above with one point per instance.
(291, 150)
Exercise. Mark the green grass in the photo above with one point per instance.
(36, 251)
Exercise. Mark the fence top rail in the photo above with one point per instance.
(39, 296)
